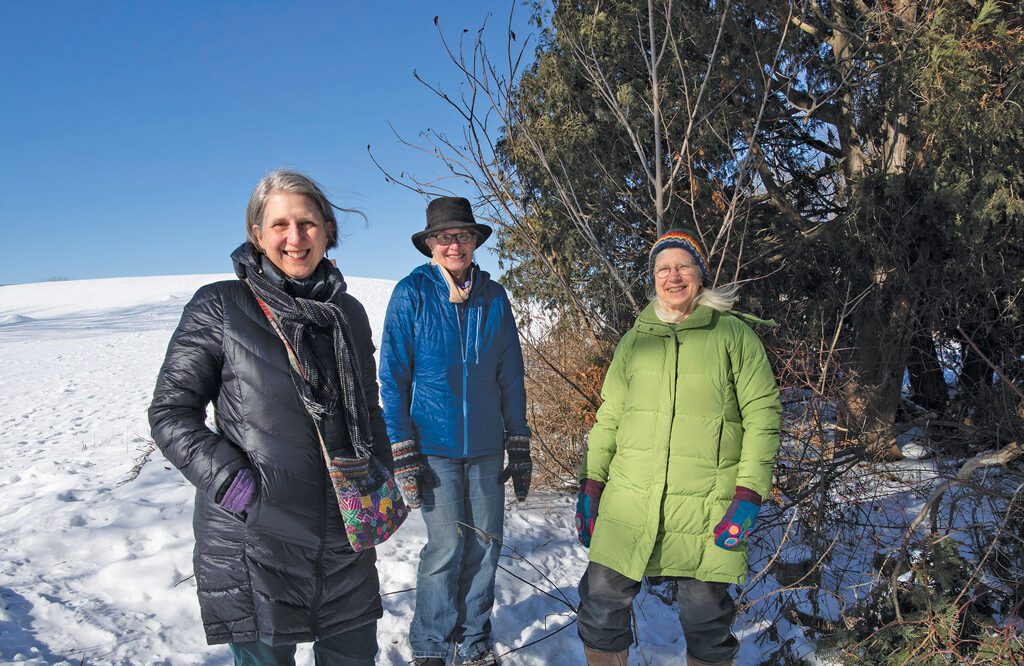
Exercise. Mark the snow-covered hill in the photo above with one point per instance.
(97, 570)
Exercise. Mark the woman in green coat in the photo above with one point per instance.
(677, 462)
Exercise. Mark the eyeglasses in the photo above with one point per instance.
(683, 269)
(462, 238)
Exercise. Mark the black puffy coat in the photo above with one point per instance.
(284, 573)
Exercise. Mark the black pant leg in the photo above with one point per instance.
(707, 612)
(603, 619)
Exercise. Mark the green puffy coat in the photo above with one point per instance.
(690, 411)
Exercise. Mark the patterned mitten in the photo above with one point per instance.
(586, 509)
(409, 471)
(739, 519)
(238, 496)
(520, 466)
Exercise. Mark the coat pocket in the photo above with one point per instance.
(730, 443)
(718, 442)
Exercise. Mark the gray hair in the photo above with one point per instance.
(720, 298)
(285, 180)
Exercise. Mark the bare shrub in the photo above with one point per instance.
(564, 372)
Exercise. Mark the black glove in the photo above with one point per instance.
(520, 466)
(410, 469)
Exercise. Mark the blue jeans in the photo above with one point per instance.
(455, 580)
(355, 647)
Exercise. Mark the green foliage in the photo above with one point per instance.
(859, 165)
(987, 15)
(972, 123)
(583, 144)
(944, 617)
(848, 159)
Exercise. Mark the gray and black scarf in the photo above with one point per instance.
(300, 308)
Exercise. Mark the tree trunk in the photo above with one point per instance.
(927, 384)
(871, 395)
(976, 387)
(869, 413)
(976, 376)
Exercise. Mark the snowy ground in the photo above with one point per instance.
(95, 570)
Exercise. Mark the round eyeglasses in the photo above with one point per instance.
(683, 269)
(462, 238)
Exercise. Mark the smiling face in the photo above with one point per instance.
(293, 234)
(676, 279)
(456, 257)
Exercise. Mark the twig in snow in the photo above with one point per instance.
(140, 460)
(183, 580)
(562, 599)
(388, 594)
(486, 536)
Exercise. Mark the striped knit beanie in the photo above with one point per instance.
(684, 240)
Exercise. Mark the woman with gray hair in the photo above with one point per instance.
(286, 357)
(677, 462)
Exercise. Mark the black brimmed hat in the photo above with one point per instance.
(449, 213)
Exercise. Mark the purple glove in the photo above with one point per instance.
(739, 519)
(239, 494)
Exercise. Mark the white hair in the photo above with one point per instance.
(720, 298)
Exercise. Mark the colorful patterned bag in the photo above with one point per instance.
(371, 505)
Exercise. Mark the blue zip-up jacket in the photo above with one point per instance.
(451, 375)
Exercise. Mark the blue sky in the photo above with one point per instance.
(131, 133)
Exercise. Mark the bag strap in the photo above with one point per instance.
(294, 361)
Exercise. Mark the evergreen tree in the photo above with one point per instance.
(862, 157)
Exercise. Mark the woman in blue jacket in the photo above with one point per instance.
(451, 373)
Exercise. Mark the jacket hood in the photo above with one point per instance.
(648, 322)
(702, 315)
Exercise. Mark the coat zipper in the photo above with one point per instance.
(673, 345)
(463, 344)
(314, 622)
(674, 388)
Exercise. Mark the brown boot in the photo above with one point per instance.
(595, 658)
(694, 661)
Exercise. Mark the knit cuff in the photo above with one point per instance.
(407, 457)
(518, 448)
(747, 495)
